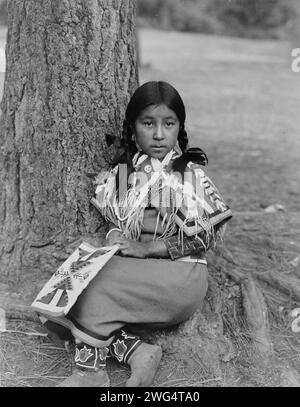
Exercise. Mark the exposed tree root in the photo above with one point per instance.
(256, 315)
(255, 311)
(236, 275)
(287, 285)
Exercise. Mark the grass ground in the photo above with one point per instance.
(242, 102)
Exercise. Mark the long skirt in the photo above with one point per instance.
(153, 293)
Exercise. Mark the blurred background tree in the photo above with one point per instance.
(3, 12)
(242, 18)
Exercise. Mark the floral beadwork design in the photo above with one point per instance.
(83, 355)
(119, 350)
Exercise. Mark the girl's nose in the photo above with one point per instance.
(158, 135)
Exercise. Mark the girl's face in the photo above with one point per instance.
(156, 130)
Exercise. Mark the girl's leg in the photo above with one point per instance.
(144, 363)
(142, 358)
(90, 367)
(127, 348)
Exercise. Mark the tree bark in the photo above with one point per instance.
(71, 68)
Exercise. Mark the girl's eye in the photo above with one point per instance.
(169, 124)
(147, 123)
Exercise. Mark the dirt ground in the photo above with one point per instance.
(242, 101)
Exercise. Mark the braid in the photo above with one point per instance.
(188, 154)
(125, 151)
(127, 147)
(128, 143)
(183, 140)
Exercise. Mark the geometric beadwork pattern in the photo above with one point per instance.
(203, 207)
(60, 293)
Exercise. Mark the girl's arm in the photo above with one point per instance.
(157, 248)
(142, 250)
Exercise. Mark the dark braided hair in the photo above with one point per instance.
(128, 144)
(195, 154)
(155, 93)
(183, 140)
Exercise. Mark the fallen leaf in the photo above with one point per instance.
(295, 312)
(2, 320)
(295, 261)
(275, 208)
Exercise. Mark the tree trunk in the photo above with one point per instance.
(71, 68)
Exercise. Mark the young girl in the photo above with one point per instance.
(160, 207)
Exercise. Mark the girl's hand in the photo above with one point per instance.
(132, 248)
